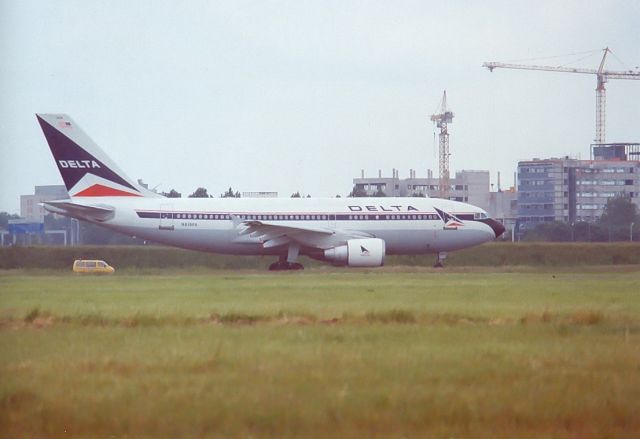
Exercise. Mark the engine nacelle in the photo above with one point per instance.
(367, 252)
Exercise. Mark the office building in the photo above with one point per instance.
(571, 190)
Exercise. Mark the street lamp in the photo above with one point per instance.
(572, 232)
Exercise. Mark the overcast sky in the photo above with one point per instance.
(301, 95)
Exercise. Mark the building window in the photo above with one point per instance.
(588, 206)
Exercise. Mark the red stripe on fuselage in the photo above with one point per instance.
(98, 190)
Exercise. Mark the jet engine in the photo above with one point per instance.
(367, 252)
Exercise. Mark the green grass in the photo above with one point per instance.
(388, 353)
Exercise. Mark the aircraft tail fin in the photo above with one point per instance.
(86, 170)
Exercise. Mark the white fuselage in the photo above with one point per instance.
(407, 225)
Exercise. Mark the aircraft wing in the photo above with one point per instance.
(99, 212)
(274, 235)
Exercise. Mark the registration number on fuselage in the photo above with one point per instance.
(189, 224)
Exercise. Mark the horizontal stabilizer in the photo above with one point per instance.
(98, 213)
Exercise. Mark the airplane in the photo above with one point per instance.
(354, 232)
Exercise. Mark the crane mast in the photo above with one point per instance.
(601, 101)
(602, 76)
(442, 119)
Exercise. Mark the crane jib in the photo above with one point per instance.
(602, 77)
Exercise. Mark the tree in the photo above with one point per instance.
(614, 225)
(296, 195)
(172, 194)
(619, 211)
(200, 193)
(552, 231)
(5, 217)
(230, 194)
(588, 232)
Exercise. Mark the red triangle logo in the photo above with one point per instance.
(98, 190)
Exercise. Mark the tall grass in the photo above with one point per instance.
(494, 254)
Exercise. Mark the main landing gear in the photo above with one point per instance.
(284, 265)
(287, 262)
(440, 257)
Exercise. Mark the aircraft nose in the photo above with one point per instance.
(496, 226)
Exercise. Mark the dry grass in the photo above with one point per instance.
(38, 319)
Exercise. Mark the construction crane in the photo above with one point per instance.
(602, 76)
(441, 120)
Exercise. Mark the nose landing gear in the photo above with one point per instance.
(440, 257)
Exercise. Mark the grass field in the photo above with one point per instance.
(325, 352)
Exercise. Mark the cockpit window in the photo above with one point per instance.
(480, 215)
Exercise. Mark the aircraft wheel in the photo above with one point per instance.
(284, 265)
(440, 257)
(277, 266)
